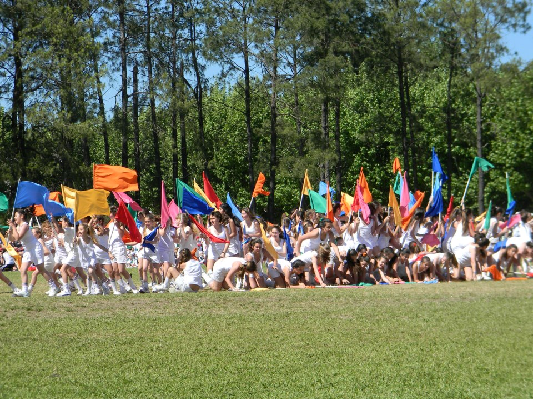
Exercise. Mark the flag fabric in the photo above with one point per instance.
(449, 209)
(132, 212)
(127, 219)
(120, 196)
(91, 202)
(396, 165)
(364, 208)
(430, 239)
(114, 178)
(404, 198)
(355, 207)
(69, 196)
(194, 205)
(258, 188)
(509, 197)
(29, 193)
(436, 165)
(329, 207)
(289, 247)
(317, 202)
(365, 187)
(395, 205)
(480, 163)
(397, 186)
(54, 196)
(498, 246)
(180, 188)
(481, 217)
(206, 232)
(164, 211)
(202, 194)
(419, 196)
(323, 189)
(515, 219)
(210, 192)
(236, 212)
(346, 202)
(57, 209)
(10, 250)
(38, 210)
(150, 237)
(487, 222)
(437, 204)
(306, 185)
(174, 211)
(267, 243)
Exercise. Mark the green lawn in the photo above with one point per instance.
(459, 340)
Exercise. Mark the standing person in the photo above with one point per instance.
(102, 257)
(48, 260)
(86, 242)
(20, 231)
(233, 225)
(117, 251)
(250, 227)
(149, 254)
(216, 250)
(166, 246)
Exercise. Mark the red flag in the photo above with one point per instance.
(365, 187)
(210, 193)
(127, 219)
(258, 188)
(449, 209)
(164, 206)
(206, 232)
(329, 208)
(430, 239)
(512, 222)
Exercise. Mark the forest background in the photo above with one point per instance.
(328, 86)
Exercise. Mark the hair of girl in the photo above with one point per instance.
(298, 263)
(455, 213)
(308, 214)
(365, 258)
(465, 220)
(150, 216)
(66, 219)
(414, 248)
(351, 262)
(405, 251)
(253, 242)
(26, 213)
(323, 253)
(274, 226)
(336, 206)
(511, 246)
(185, 255)
(496, 210)
(113, 209)
(387, 251)
(248, 212)
(286, 222)
(482, 241)
(524, 215)
(217, 215)
(250, 266)
(361, 247)
(307, 224)
(419, 214)
(372, 207)
(451, 258)
(39, 231)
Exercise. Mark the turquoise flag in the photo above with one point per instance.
(317, 202)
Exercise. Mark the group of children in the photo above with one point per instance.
(305, 250)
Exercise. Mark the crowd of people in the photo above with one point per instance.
(305, 250)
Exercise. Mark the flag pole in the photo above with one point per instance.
(465, 191)
(300, 203)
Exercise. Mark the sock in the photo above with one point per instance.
(12, 286)
(89, 284)
(25, 287)
(77, 283)
(131, 283)
(52, 284)
(113, 286)
(207, 278)
(166, 283)
(30, 287)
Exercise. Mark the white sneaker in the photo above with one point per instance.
(64, 293)
(87, 292)
(105, 289)
(26, 294)
(117, 293)
(17, 292)
(30, 289)
(155, 288)
(51, 292)
(96, 290)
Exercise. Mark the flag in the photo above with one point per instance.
(397, 186)
(10, 250)
(355, 207)
(258, 188)
(289, 247)
(480, 163)
(164, 207)
(91, 202)
(57, 209)
(114, 178)
(404, 197)
(323, 189)
(180, 188)
(437, 204)
(206, 232)
(419, 196)
(487, 222)
(430, 239)
(481, 217)
(306, 185)
(194, 205)
(396, 165)
(329, 207)
(365, 187)
(317, 202)
(150, 237)
(69, 196)
(364, 208)
(132, 212)
(509, 192)
(29, 193)
(515, 219)
(395, 205)
(174, 210)
(449, 209)
(210, 193)
(267, 243)
(120, 196)
(436, 165)
(38, 210)
(346, 202)
(54, 196)
(127, 219)
(202, 194)
(235, 211)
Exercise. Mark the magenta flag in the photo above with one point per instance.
(119, 196)
(404, 198)
(174, 210)
(364, 208)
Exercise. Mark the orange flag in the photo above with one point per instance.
(306, 185)
(329, 207)
(395, 205)
(396, 165)
(367, 197)
(419, 196)
(258, 188)
(346, 202)
(114, 178)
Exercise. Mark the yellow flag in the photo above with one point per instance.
(203, 194)
(346, 202)
(91, 202)
(267, 244)
(481, 217)
(307, 185)
(395, 205)
(10, 250)
(69, 195)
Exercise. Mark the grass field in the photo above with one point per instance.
(460, 340)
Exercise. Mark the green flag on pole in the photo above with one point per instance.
(4, 206)
(488, 218)
(317, 202)
(480, 163)
(508, 192)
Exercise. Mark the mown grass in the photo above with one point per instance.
(462, 340)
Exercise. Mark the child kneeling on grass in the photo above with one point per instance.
(225, 269)
(187, 276)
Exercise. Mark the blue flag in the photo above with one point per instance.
(29, 194)
(322, 189)
(436, 165)
(289, 248)
(437, 204)
(235, 211)
(150, 237)
(194, 205)
(57, 209)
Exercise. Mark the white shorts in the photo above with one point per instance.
(215, 251)
(60, 259)
(119, 254)
(277, 271)
(167, 256)
(73, 260)
(35, 255)
(49, 263)
(150, 256)
(182, 286)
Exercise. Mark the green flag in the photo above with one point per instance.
(317, 202)
(480, 163)
(508, 191)
(132, 212)
(180, 186)
(4, 206)
(397, 185)
(488, 218)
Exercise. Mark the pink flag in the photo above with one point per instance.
(119, 196)
(364, 208)
(430, 239)
(404, 198)
(164, 207)
(513, 221)
(174, 210)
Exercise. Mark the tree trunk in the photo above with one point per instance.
(298, 122)
(326, 138)
(412, 146)
(101, 108)
(402, 103)
(448, 122)
(135, 120)
(152, 99)
(272, 160)
(248, 117)
(337, 139)
(174, 105)
(17, 113)
(185, 169)
(124, 80)
(480, 98)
